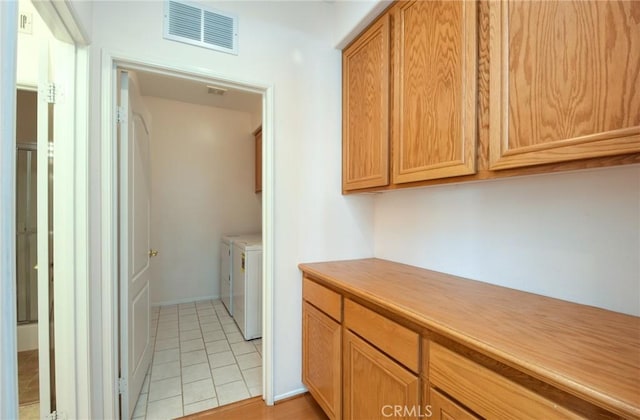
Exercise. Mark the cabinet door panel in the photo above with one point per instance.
(365, 102)
(565, 79)
(375, 385)
(442, 408)
(321, 358)
(434, 125)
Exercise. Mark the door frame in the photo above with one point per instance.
(110, 63)
(8, 320)
(71, 223)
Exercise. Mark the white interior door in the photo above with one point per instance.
(135, 345)
(44, 234)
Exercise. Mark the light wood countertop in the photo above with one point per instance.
(589, 352)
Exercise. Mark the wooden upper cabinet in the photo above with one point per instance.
(434, 74)
(565, 81)
(365, 97)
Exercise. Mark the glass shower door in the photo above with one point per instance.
(26, 234)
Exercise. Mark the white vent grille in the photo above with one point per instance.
(192, 24)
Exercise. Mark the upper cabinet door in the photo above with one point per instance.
(565, 81)
(365, 107)
(434, 123)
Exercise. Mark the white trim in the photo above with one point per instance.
(81, 231)
(71, 297)
(62, 21)
(268, 239)
(44, 227)
(8, 321)
(109, 249)
(290, 394)
(110, 62)
(65, 290)
(185, 300)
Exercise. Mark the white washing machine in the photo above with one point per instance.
(226, 266)
(247, 287)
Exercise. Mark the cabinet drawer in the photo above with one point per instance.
(322, 298)
(486, 392)
(392, 338)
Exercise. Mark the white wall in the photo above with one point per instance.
(29, 47)
(352, 16)
(573, 236)
(286, 45)
(202, 166)
(83, 14)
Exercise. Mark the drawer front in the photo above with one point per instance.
(322, 298)
(486, 392)
(397, 341)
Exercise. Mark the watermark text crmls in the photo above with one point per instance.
(398, 410)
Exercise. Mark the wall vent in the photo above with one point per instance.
(193, 24)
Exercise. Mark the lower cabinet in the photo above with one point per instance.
(364, 360)
(359, 364)
(321, 358)
(375, 386)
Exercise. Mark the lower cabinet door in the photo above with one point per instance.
(375, 386)
(321, 359)
(442, 408)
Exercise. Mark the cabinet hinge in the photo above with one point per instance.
(122, 385)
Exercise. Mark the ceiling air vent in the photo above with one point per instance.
(193, 24)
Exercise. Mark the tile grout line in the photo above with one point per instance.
(216, 313)
(149, 371)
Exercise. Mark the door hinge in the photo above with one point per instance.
(121, 116)
(55, 415)
(122, 385)
(51, 93)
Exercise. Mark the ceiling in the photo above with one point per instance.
(196, 92)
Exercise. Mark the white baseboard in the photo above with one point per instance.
(290, 394)
(185, 300)
(27, 337)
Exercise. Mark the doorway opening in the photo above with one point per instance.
(198, 344)
(34, 215)
(27, 262)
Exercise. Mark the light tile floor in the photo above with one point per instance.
(200, 361)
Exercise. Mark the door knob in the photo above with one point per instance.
(153, 252)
